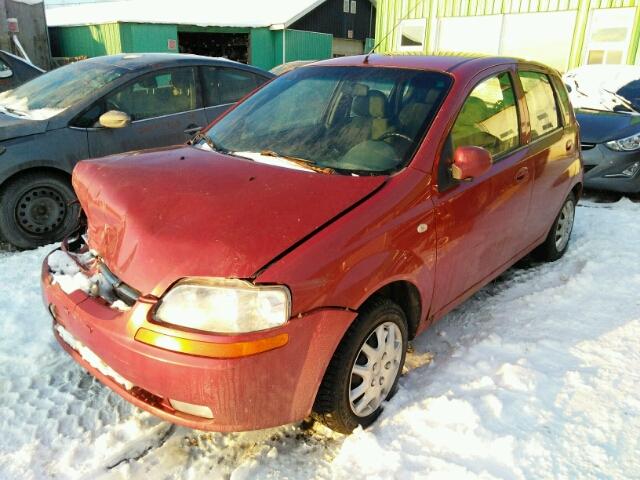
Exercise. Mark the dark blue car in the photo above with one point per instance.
(99, 107)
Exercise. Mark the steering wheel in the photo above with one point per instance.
(402, 136)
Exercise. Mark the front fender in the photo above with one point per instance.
(375, 244)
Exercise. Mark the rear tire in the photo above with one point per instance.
(557, 242)
(365, 369)
(37, 209)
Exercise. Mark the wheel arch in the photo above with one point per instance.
(577, 190)
(50, 168)
(407, 296)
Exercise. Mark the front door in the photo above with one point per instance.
(480, 223)
(164, 108)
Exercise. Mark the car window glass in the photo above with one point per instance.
(489, 117)
(335, 117)
(50, 94)
(233, 84)
(543, 111)
(91, 117)
(565, 104)
(291, 110)
(156, 95)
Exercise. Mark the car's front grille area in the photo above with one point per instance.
(121, 290)
(104, 283)
(587, 146)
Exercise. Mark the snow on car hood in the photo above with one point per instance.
(158, 216)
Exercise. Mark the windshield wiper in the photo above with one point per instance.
(625, 103)
(203, 137)
(299, 161)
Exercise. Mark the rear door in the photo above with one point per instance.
(224, 86)
(481, 223)
(553, 147)
(164, 107)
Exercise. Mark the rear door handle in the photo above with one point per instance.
(569, 145)
(192, 130)
(522, 175)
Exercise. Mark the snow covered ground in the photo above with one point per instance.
(536, 377)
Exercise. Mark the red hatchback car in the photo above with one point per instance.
(278, 265)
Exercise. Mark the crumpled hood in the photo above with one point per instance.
(598, 126)
(158, 216)
(13, 127)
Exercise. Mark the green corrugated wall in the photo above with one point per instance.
(390, 12)
(266, 46)
(143, 37)
(111, 39)
(89, 40)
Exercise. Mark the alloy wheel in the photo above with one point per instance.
(375, 369)
(564, 225)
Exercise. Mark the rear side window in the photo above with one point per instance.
(489, 117)
(228, 85)
(543, 111)
(563, 98)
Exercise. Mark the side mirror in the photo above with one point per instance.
(114, 119)
(470, 162)
(6, 73)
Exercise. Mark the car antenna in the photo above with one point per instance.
(410, 12)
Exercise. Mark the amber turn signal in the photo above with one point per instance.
(208, 349)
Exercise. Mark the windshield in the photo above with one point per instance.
(360, 120)
(52, 93)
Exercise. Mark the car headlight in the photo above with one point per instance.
(224, 306)
(627, 144)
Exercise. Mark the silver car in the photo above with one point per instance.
(99, 107)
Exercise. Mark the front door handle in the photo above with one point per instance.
(192, 130)
(522, 175)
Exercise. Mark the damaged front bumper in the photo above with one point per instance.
(142, 360)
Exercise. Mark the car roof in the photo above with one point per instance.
(444, 62)
(153, 61)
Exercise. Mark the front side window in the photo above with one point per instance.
(489, 117)
(346, 119)
(52, 93)
(543, 111)
(156, 95)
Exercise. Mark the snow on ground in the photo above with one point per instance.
(535, 377)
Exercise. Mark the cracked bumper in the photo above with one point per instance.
(248, 393)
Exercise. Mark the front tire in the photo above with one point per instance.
(557, 241)
(365, 368)
(37, 209)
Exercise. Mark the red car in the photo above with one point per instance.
(278, 265)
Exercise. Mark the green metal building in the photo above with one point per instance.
(561, 33)
(258, 32)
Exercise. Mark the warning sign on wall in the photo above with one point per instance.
(172, 44)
